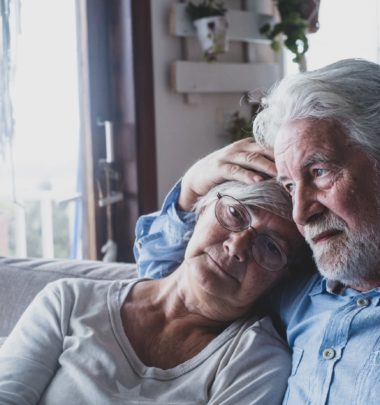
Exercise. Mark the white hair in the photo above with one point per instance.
(267, 194)
(346, 92)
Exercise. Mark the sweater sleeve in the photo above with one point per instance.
(29, 356)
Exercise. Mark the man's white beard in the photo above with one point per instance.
(351, 257)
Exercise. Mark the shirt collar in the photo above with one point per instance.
(323, 285)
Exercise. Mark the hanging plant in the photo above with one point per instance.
(208, 18)
(297, 18)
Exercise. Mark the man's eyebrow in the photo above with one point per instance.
(317, 157)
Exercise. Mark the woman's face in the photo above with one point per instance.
(221, 262)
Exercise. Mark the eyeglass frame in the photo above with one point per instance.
(284, 256)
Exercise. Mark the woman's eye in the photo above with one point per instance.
(234, 212)
(272, 248)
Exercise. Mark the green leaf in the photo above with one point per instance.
(275, 45)
(207, 8)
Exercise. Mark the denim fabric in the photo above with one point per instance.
(335, 340)
(162, 237)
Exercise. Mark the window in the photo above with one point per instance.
(78, 64)
(348, 29)
(40, 197)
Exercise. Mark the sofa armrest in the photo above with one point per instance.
(22, 279)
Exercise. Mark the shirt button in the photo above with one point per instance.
(362, 302)
(139, 244)
(329, 353)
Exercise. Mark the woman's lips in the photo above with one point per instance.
(223, 269)
(324, 236)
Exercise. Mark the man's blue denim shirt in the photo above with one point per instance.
(162, 237)
(334, 332)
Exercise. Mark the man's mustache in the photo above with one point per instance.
(326, 223)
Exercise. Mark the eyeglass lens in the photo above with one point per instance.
(235, 217)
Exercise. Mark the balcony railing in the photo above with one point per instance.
(19, 224)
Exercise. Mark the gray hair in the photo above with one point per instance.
(346, 92)
(267, 194)
(271, 196)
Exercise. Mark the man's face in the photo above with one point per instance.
(335, 203)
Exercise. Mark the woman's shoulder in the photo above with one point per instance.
(261, 331)
(85, 291)
(257, 338)
(255, 359)
(70, 284)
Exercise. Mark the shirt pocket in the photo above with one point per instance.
(296, 361)
(368, 387)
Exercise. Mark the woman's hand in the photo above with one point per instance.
(244, 161)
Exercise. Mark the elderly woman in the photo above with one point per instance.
(189, 338)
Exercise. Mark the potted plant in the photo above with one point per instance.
(297, 18)
(208, 17)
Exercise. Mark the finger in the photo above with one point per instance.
(255, 147)
(249, 145)
(253, 161)
(230, 171)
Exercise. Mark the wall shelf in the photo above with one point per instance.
(203, 77)
(191, 77)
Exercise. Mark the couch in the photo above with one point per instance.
(22, 278)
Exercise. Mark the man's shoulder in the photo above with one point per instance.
(297, 286)
(301, 285)
(294, 291)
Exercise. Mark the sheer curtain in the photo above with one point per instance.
(40, 203)
(9, 11)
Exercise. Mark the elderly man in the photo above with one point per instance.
(324, 129)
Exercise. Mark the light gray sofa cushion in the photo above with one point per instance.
(22, 279)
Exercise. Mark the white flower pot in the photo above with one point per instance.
(212, 35)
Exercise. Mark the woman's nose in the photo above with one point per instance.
(239, 245)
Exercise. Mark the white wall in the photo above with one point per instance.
(184, 132)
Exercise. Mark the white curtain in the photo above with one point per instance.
(9, 26)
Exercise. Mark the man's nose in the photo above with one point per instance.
(306, 205)
(238, 245)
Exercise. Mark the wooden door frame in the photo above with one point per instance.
(119, 89)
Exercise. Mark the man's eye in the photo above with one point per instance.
(319, 172)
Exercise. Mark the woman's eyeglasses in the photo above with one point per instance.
(234, 216)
